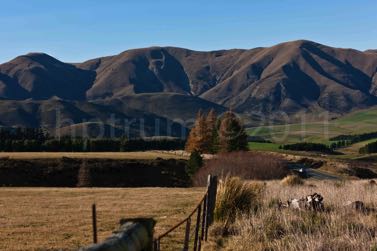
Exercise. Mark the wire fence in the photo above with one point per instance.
(195, 225)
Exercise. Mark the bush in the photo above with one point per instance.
(369, 148)
(247, 165)
(235, 196)
(292, 180)
(194, 163)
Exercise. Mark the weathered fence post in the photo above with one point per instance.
(197, 228)
(187, 234)
(211, 202)
(204, 220)
(94, 222)
(156, 245)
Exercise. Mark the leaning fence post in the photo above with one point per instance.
(197, 228)
(187, 234)
(94, 222)
(156, 246)
(212, 191)
(204, 219)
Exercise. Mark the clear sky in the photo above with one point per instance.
(77, 30)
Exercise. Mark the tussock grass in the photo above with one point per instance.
(236, 196)
(337, 228)
(292, 180)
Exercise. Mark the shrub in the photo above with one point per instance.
(235, 196)
(369, 148)
(247, 165)
(194, 163)
(292, 180)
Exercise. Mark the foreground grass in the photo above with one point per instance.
(60, 219)
(337, 228)
(92, 155)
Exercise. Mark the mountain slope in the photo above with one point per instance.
(40, 76)
(293, 78)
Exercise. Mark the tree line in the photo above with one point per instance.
(38, 140)
(355, 138)
(309, 147)
(369, 148)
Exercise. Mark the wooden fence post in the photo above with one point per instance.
(156, 246)
(197, 228)
(204, 219)
(94, 221)
(211, 202)
(187, 235)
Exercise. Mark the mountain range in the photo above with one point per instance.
(159, 90)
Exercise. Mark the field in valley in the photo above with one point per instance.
(318, 132)
(60, 219)
(353, 123)
(41, 218)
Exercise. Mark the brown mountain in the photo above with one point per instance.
(173, 83)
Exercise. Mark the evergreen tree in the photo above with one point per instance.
(212, 127)
(194, 163)
(232, 136)
(198, 137)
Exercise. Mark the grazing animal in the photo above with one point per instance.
(359, 206)
(313, 202)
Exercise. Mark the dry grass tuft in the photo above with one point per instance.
(235, 197)
(292, 180)
(335, 229)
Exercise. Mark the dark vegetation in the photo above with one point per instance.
(355, 138)
(67, 172)
(194, 163)
(36, 140)
(247, 165)
(258, 139)
(369, 148)
(309, 147)
(340, 144)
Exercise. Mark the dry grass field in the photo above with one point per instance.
(337, 228)
(92, 155)
(55, 219)
(60, 219)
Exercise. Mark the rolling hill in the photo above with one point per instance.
(279, 83)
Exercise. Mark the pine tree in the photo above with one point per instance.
(212, 127)
(198, 139)
(232, 136)
(194, 163)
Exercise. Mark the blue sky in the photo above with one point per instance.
(77, 30)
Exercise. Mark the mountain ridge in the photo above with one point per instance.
(294, 78)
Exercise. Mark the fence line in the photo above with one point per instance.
(204, 219)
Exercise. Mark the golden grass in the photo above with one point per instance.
(94, 155)
(335, 229)
(292, 180)
(54, 219)
(60, 218)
